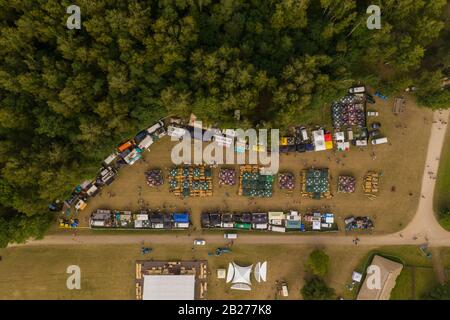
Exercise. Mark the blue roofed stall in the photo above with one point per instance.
(181, 217)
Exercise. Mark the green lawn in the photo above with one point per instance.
(403, 289)
(442, 197)
(424, 279)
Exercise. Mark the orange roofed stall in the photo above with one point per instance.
(125, 146)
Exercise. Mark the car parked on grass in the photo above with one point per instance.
(374, 133)
(199, 242)
(376, 125)
(381, 96)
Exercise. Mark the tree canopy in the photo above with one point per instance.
(318, 263)
(17, 228)
(316, 289)
(440, 292)
(67, 97)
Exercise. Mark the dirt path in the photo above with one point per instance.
(423, 228)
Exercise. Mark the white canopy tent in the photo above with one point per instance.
(241, 286)
(319, 140)
(239, 275)
(339, 136)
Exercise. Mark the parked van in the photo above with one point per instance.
(304, 134)
(361, 142)
(350, 134)
(157, 128)
(110, 158)
(379, 141)
(284, 290)
(360, 89)
(230, 235)
(145, 143)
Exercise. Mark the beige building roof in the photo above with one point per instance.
(389, 271)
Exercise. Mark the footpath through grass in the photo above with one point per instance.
(442, 195)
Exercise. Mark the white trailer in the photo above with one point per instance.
(181, 225)
(380, 141)
(277, 229)
(155, 127)
(360, 89)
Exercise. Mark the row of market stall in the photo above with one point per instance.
(349, 129)
(348, 112)
(301, 140)
(348, 115)
(275, 221)
(127, 153)
(197, 180)
(123, 219)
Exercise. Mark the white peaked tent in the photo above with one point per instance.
(241, 286)
(230, 272)
(256, 272)
(319, 140)
(260, 271)
(263, 271)
(239, 276)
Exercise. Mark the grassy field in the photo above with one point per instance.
(107, 272)
(442, 194)
(404, 286)
(413, 283)
(408, 133)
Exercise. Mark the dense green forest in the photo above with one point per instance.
(67, 97)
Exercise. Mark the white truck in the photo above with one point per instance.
(360, 89)
(380, 141)
(284, 289)
(304, 134)
(157, 128)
